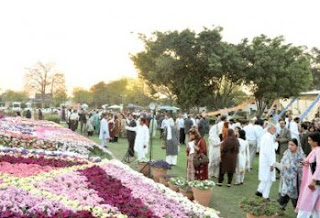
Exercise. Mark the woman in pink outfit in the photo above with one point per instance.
(309, 197)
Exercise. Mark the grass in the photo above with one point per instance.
(226, 200)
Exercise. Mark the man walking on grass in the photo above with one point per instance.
(267, 160)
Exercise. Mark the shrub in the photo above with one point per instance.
(259, 207)
(53, 118)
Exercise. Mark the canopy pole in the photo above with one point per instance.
(307, 111)
(277, 117)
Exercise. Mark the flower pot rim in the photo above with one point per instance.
(261, 215)
(211, 188)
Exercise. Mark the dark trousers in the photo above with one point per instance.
(161, 133)
(221, 177)
(182, 137)
(284, 200)
(131, 146)
(115, 139)
(82, 124)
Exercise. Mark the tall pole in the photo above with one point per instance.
(278, 116)
(151, 139)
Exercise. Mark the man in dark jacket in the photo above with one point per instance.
(283, 138)
(304, 139)
(28, 114)
(83, 120)
(187, 126)
(131, 135)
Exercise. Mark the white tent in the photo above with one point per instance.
(85, 106)
(169, 108)
(115, 107)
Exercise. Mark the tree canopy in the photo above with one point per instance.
(200, 69)
(11, 96)
(275, 69)
(43, 78)
(194, 67)
(121, 91)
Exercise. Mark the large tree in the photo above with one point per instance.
(43, 78)
(275, 69)
(192, 66)
(11, 96)
(316, 68)
(121, 91)
(99, 94)
(82, 96)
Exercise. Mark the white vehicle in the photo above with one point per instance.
(16, 106)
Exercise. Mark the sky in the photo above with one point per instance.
(90, 40)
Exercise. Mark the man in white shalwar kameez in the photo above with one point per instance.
(141, 142)
(267, 160)
(214, 151)
(104, 131)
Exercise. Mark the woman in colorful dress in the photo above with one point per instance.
(117, 128)
(290, 175)
(309, 196)
(199, 145)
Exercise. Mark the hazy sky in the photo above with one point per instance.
(91, 40)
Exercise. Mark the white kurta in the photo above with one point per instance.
(259, 131)
(104, 132)
(214, 151)
(243, 163)
(294, 130)
(142, 139)
(267, 158)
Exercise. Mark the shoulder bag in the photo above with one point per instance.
(200, 159)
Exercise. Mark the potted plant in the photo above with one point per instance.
(202, 191)
(143, 166)
(159, 168)
(256, 207)
(184, 188)
(173, 183)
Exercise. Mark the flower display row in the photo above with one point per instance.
(34, 184)
(45, 135)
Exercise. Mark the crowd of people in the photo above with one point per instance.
(288, 150)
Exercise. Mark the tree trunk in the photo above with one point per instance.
(261, 106)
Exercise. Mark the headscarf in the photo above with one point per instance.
(214, 135)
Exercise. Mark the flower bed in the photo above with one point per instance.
(40, 134)
(57, 185)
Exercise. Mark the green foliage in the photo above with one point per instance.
(202, 185)
(82, 96)
(275, 69)
(59, 97)
(178, 181)
(53, 118)
(195, 68)
(260, 207)
(316, 68)
(121, 91)
(11, 96)
(99, 94)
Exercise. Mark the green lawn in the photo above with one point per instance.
(224, 199)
